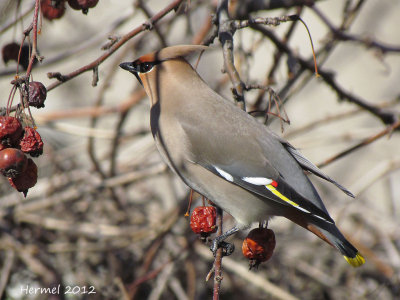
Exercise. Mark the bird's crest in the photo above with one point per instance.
(171, 53)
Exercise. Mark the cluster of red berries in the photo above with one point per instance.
(258, 246)
(55, 9)
(15, 144)
(18, 141)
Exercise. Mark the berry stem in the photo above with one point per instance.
(190, 203)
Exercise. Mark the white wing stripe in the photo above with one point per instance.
(224, 174)
(257, 180)
(302, 209)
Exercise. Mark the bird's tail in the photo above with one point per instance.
(331, 234)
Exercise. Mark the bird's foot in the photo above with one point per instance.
(218, 242)
(227, 248)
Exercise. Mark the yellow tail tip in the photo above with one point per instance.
(356, 261)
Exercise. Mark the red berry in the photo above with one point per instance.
(31, 142)
(52, 9)
(10, 130)
(259, 246)
(13, 162)
(25, 180)
(203, 219)
(37, 94)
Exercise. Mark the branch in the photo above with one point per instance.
(343, 36)
(218, 259)
(117, 45)
(277, 59)
(142, 5)
(34, 54)
(387, 117)
(239, 24)
(227, 29)
(363, 143)
(242, 9)
(225, 34)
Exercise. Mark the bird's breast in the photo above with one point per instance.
(169, 138)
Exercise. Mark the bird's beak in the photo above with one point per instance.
(129, 66)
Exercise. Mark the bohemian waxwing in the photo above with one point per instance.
(226, 155)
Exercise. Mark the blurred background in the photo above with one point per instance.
(106, 214)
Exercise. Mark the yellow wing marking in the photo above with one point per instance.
(273, 190)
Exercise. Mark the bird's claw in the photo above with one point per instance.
(227, 248)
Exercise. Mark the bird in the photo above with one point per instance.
(227, 155)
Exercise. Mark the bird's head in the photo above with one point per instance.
(145, 65)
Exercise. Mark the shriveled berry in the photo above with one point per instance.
(13, 162)
(10, 130)
(52, 9)
(74, 4)
(25, 180)
(88, 3)
(37, 94)
(11, 50)
(203, 220)
(259, 246)
(31, 142)
(83, 5)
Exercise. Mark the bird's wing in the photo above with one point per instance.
(242, 162)
(273, 189)
(309, 166)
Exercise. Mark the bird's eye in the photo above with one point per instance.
(146, 67)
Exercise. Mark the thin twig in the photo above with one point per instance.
(340, 35)
(386, 117)
(363, 143)
(116, 46)
(277, 58)
(142, 5)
